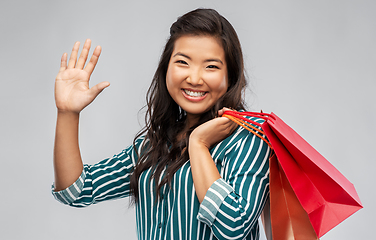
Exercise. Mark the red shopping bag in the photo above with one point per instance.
(306, 192)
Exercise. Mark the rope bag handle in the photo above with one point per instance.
(238, 117)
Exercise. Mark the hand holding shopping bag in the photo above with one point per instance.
(308, 195)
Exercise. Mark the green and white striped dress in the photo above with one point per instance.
(230, 209)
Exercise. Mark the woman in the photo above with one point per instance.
(192, 173)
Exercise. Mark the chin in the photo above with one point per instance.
(196, 112)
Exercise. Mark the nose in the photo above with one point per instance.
(195, 77)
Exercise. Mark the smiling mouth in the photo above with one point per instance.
(194, 94)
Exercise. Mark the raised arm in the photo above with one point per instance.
(72, 95)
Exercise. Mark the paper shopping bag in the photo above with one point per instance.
(288, 219)
(324, 194)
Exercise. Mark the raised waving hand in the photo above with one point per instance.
(72, 91)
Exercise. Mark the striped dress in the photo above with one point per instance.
(230, 209)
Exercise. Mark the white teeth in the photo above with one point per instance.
(194, 94)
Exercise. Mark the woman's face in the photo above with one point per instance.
(197, 74)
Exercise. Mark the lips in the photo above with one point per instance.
(193, 93)
(194, 96)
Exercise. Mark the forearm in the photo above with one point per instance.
(204, 170)
(67, 158)
(233, 203)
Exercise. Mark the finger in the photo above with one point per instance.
(230, 126)
(63, 63)
(73, 57)
(227, 122)
(97, 89)
(84, 53)
(234, 125)
(220, 112)
(93, 60)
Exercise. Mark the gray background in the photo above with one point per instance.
(310, 62)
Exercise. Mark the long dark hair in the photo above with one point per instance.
(164, 119)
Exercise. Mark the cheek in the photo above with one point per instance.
(169, 80)
(220, 84)
(224, 87)
(224, 83)
(170, 77)
(174, 78)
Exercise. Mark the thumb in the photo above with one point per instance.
(95, 90)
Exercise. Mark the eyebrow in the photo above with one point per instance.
(207, 60)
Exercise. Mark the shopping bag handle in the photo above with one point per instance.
(239, 115)
(247, 123)
(265, 116)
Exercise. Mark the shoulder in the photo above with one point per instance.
(139, 144)
(242, 133)
(242, 141)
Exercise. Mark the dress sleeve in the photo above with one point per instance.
(233, 204)
(106, 180)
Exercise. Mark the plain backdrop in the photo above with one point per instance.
(313, 63)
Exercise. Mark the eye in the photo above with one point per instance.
(181, 62)
(213, 67)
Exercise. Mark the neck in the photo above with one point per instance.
(191, 121)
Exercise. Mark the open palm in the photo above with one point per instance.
(72, 91)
